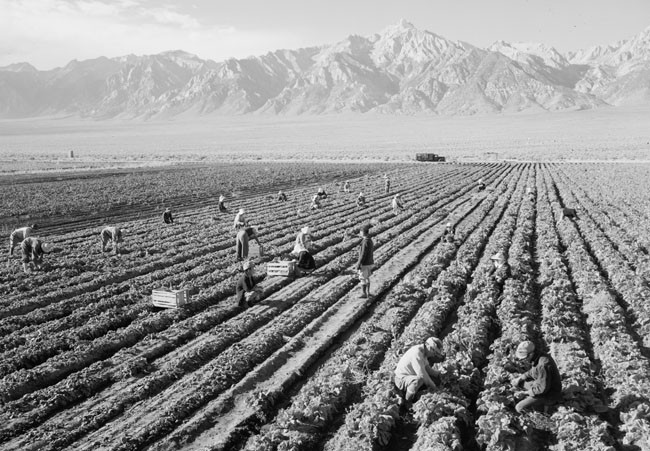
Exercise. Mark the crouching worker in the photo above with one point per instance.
(167, 216)
(450, 233)
(413, 370)
(241, 242)
(114, 235)
(301, 250)
(33, 250)
(541, 382)
(222, 204)
(245, 290)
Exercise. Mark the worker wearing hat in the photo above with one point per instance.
(315, 202)
(167, 216)
(541, 382)
(361, 200)
(281, 196)
(245, 289)
(241, 242)
(18, 235)
(112, 234)
(301, 250)
(397, 204)
(366, 260)
(33, 250)
(413, 370)
(240, 220)
(450, 233)
(222, 203)
(481, 185)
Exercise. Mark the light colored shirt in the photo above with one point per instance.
(302, 243)
(21, 234)
(414, 363)
(240, 221)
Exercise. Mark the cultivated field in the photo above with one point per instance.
(89, 364)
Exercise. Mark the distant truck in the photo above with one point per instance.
(429, 157)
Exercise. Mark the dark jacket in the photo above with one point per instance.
(366, 252)
(244, 285)
(32, 250)
(543, 379)
(167, 217)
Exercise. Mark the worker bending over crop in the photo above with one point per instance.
(301, 250)
(222, 204)
(114, 235)
(361, 200)
(242, 239)
(413, 370)
(167, 216)
(481, 185)
(33, 250)
(245, 289)
(542, 382)
(397, 204)
(366, 260)
(315, 203)
(18, 235)
(449, 233)
(321, 193)
(281, 196)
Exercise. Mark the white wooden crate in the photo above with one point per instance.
(170, 298)
(281, 268)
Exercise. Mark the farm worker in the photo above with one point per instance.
(481, 185)
(346, 186)
(245, 289)
(241, 242)
(366, 261)
(167, 216)
(321, 193)
(413, 370)
(18, 235)
(315, 202)
(361, 200)
(542, 381)
(240, 220)
(222, 204)
(33, 250)
(396, 204)
(498, 260)
(386, 184)
(449, 233)
(281, 196)
(112, 234)
(301, 250)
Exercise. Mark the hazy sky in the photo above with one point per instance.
(50, 33)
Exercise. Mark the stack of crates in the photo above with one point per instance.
(170, 298)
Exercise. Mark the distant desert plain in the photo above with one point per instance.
(608, 134)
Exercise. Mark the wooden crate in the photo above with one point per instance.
(170, 298)
(281, 269)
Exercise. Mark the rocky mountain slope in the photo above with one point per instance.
(402, 70)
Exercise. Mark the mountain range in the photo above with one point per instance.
(402, 70)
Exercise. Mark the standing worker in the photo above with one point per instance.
(361, 200)
(281, 196)
(386, 184)
(241, 242)
(301, 250)
(366, 261)
(112, 234)
(222, 204)
(33, 250)
(240, 220)
(18, 235)
(346, 186)
(413, 370)
(542, 381)
(397, 204)
(245, 289)
(167, 216)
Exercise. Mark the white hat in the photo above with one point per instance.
(448, 224)
(498, 256)
(434, 344)
(524, 349)
(242, 211)
(305, 229)
(47, 247)
(247, 265)
(360, 193)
